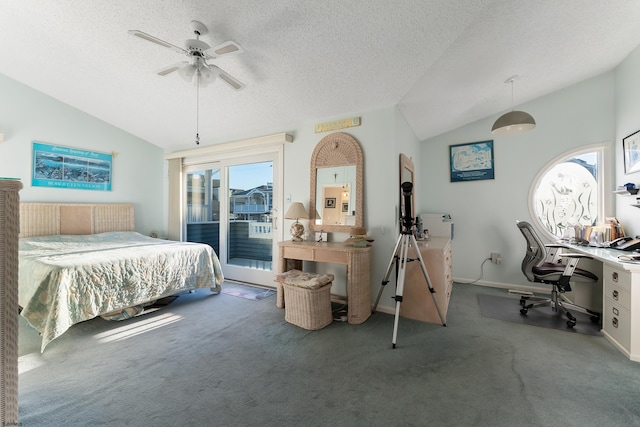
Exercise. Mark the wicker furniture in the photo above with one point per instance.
(308, 298)
(9, 228)
(357, 260)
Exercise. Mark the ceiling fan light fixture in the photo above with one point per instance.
(187, 73)
(206, 76)
(514, 121)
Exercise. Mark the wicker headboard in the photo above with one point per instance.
(44, 219)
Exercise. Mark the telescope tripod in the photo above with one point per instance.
(401, 257)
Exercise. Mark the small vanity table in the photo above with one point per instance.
(357, 260)
(336, 205)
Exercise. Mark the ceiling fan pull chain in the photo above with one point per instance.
(197, 107)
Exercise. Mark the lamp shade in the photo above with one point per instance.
(513, 122)
(296, 211)
(206, 76)
(187, 72)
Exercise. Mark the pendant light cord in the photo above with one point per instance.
(512, 93)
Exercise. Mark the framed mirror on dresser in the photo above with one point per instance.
(336, 194)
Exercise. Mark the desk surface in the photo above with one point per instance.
(610, 256)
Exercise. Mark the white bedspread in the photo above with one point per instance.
(66, 279)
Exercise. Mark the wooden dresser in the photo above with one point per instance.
(417, 302)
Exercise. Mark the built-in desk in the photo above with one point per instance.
(621, 299)
(357, 260)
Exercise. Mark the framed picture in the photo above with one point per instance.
(66, 167)
(345, 207)
(330, 202)
(471, 161)
(631, 150)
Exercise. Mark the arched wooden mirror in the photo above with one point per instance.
(336, 201)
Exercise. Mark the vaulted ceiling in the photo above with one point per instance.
(442, 62)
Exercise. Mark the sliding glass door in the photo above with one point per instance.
(232, 205)
(202, 212)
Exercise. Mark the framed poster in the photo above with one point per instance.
(631, 150)
(471, 161)
(330, 202)
(66, 167)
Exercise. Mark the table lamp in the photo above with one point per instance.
(296, 211)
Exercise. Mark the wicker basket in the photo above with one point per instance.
(308, 308)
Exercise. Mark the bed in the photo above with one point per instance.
(80, 261)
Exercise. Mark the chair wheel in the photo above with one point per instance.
(595, 319)
(523, 311)
(571, 324)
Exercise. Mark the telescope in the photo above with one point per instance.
(406, 243)
(407, 219)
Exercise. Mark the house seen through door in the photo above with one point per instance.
(229, 205)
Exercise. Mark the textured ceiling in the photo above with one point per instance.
(443, 62)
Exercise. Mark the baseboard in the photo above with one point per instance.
(384, 309)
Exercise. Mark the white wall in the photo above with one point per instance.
(485, 212)
(408, 144)
(627, 107)
(27, 115)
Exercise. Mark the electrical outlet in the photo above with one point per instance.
(496, 258)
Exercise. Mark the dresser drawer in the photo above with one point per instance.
(331, 256)
(618, 277)
(617, 322)
(617, 295)
(298, 253)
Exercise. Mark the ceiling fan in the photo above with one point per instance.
(198, 53)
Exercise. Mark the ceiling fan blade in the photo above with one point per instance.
(156, 40)
(224, 76)
(230, 80)
(171, 68)
(223, 49)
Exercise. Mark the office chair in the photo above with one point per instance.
(542, 264)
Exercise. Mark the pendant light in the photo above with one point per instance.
(513, 121)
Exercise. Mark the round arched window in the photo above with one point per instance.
(568, 192)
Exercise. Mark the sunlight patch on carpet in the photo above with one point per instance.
(28, 362)
(132, 329)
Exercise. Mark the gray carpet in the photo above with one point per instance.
(218, 360)
(508, 308)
